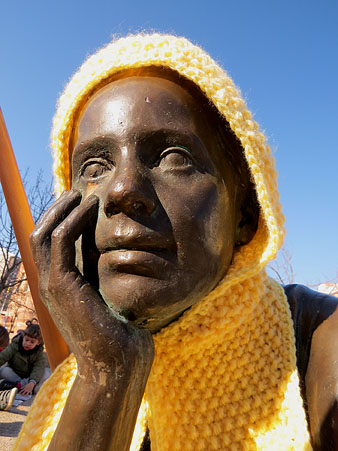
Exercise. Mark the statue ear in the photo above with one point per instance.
(248, 218)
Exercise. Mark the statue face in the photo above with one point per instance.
(168, 212)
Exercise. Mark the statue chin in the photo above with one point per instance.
(149, 301)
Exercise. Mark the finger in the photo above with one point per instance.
(64, 236)
(41, 237)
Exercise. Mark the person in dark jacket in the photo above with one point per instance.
(23, 362)
(4, 338)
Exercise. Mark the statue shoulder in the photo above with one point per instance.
(309, 309)
(315, 317)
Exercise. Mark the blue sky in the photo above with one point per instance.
(282, 54)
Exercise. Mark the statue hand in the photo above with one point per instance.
(99, 340)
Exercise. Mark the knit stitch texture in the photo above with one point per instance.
(224, 375)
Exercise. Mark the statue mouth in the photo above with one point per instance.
(147, 262)
(147, 255)
(153, 249)
(149, 242)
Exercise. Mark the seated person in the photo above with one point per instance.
(25, 362)
(4, 338)
(7, 396)
(152, 263)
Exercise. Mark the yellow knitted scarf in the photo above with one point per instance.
(224, 375)
(221, 380)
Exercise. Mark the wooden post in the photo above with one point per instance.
(23, 225)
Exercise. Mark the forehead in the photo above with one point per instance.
(141, 103)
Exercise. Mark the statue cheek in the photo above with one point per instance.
(204, 218)
(213, 212)
(217, 227)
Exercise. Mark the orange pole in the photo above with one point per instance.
(23, 225)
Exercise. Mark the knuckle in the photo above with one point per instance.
(60, 284)
(53, 286)
(59, 233)
(34, 238)
(42, 292)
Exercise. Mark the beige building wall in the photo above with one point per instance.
(17, 305)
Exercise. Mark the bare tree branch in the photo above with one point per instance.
(40, 196)
(282, 267)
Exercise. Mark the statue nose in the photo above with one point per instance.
(129, 193)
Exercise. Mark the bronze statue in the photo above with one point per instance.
(162, 203)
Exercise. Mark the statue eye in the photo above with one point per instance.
(175, 158)
(93, 169)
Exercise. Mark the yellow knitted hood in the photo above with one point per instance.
(224, 375)
(193, 63)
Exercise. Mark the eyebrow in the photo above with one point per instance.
(93, 144)
(170, 135)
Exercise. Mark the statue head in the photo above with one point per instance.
(173, 172)
(174, 195)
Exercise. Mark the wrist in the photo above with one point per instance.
(32, 381)
(105, 375)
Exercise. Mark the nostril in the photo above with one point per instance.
(112, 210)
(143, 206)
(137, 205)
(128, 198)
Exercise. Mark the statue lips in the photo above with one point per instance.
(148, 255)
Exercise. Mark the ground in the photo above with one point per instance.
(10, 424)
